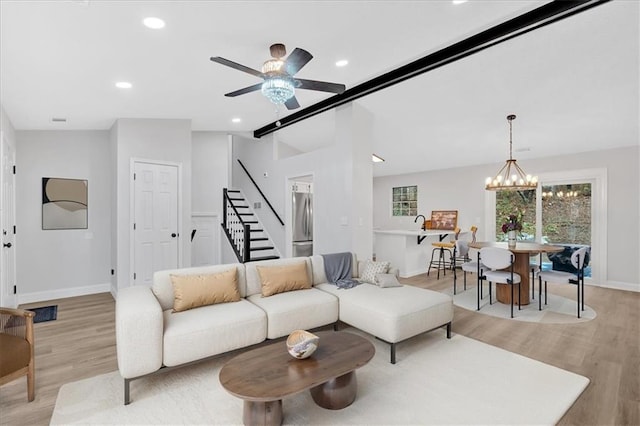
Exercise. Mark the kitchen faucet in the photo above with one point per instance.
(424, 219)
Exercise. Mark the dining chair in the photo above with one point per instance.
(472, 266)
(579, 259)
(535, 266)
(499, 263)
(441, 247)
(17, 347)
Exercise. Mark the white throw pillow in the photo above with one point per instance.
(368, 274)
(387, 280)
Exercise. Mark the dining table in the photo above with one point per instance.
(521, 265)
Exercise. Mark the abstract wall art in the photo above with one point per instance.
(64, 203)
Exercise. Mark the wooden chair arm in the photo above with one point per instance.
(17, 312)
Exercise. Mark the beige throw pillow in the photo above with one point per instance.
(192, 291)
(279, 279)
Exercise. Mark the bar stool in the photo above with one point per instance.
(440, 247)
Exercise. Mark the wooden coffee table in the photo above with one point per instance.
(262, 377)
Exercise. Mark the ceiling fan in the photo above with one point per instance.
(279, 84)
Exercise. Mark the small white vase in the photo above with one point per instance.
(511, 239)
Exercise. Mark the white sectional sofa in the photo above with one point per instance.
(151, 337)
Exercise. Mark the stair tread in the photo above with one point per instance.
(256, 230)
(250, 221)
(254, 259)
(241, 207)
(259, 239)
(245, 214)
(261, 248)
(233, 190)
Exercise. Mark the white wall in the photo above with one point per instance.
(210, 165)
(6, 127)
(148, 139)
(341, 178)
(462, 189)
(62, 263)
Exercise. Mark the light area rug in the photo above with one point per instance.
(559, 310)
(435, 381)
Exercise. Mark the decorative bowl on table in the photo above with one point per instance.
(301, 344)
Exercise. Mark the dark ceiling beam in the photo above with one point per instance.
(522, 24)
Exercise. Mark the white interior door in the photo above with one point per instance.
(206, 240)
(156, 230)
(7, 211)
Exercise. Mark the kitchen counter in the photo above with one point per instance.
(406, 250)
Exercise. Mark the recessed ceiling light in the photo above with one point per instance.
(376, 159)
(342, 63)
(153, 23)
(236, 120)
(124, 85)
(458, 1)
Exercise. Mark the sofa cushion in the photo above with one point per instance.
(254, 285)
(192, 291)
(392, 314)
(293, 310)
(282, 278)
(163, 289)
(210, 330)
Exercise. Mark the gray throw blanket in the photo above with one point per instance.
(337, 268)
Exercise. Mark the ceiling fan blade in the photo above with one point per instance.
(236, 66)
(245, 90)
(292, 103)
(296, 60)
(322, 86)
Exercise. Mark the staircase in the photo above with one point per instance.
(245, 233)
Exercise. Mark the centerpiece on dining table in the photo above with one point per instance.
(510, 227)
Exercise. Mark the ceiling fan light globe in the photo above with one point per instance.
(278, 90)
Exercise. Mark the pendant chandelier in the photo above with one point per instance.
(511, 177)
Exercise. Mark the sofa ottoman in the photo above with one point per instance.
(393, 314)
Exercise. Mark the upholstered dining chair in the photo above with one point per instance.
(441, 247)
(579, 261)
(496, 260)
(17, 347)
(468, 265)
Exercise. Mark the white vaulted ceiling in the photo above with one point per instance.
(574, 84)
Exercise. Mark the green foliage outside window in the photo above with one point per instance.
(566, 213)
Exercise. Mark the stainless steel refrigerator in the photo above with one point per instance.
(302, 224)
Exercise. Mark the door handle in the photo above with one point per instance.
(173, 235)
(7, 245)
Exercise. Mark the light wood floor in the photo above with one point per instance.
(81, 344)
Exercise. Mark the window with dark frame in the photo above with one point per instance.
(404, 201)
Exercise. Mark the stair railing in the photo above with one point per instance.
(237, 231)
(260, 191)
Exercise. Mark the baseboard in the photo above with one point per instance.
(63, 293)
(619, 285)
(413, 273)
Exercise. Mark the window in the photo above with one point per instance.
(570, 208)
(523, 205)
(405, 201)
